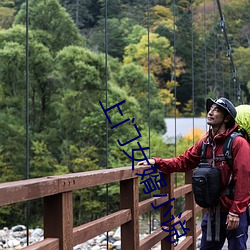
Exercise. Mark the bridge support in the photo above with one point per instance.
(169, 189)
(129, 197)
(190, 205)
(58, 219)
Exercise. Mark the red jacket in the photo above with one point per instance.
(241, 167)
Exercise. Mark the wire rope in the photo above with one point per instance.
(236, 83)
(175, 87)
(174, 74)
(192, 73)
(205, 49)
(215, 51)
(106, 92)
(27, 207)
(149, 122)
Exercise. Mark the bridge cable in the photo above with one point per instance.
(205, 49)
(106, 82)
(175, 87)
(149, 121)
(215, 52)
(27, 204)
(229, 54)
(192, 73)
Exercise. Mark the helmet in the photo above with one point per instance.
(223, 103)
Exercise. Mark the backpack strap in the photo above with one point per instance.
(227, 151)
(227, 148)
(203, 152)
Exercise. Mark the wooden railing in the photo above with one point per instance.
(59, 232)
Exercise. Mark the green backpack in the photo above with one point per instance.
(243, 120)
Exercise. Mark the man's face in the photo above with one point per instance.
(215, 116)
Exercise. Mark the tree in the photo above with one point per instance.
(118, 31)
(132, 78)
(161, 16)
(242, 65)
(84, 13)
(6, 17)
(40, 60)
(53, 25)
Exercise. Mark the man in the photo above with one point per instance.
(221, 115)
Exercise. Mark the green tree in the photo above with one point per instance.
(241, 56)
(53, 25)
(135, 82)
(6, 17)
(84, 13)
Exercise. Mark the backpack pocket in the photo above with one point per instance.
(206, 183)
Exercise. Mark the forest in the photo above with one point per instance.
(164, 58)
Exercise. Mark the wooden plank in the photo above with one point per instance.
(46, 244)
(145, 206)
(99, 177)
(187, 215)
(152, 239)
(24, 190)
(160, 234)
(90, 230)
(185, 244)
(190, 205)
(58, 219)
(198, 231)
(198, 208)
(129, 197)
(169, 189)
(182, 190)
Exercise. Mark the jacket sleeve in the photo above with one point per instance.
(185, 162)
(241, 175)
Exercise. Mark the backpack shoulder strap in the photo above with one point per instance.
(203, 152)
(227, 148)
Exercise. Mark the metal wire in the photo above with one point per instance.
(148, 27)
(205, 50)
(236, 82)
(27, 207)
(106, 82)
(193, 93)
(215, 51)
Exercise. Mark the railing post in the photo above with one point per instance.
(190, 205)
(129, 198)
(169, 189)
(58, 219)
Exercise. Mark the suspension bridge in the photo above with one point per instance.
(56, 191)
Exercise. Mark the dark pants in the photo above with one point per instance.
(237, 238)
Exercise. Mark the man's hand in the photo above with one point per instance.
(151, 162)
(232, 222)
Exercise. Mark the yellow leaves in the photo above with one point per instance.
(171, 85)
(6, 17)
(179, 69)
(189, 139)
(161, 16)
(159, 53)
(166, 96)
(195, 134)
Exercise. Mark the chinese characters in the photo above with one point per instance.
(150, 179)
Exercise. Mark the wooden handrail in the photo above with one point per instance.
(58, 208)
